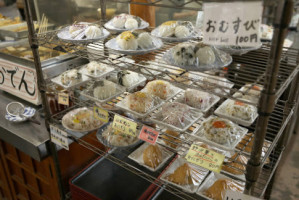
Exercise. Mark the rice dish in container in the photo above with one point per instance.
(249, 92)
(199, 99)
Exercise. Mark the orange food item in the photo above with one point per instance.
(219, 124)
(239, 163)
(239, 103)
(218, 189)
(256, 87)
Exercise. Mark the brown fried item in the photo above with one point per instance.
(218, 189)
(182, 175)
(171, 141)
(239, 163)
(152, 156)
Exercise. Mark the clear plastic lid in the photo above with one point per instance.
(70, 78)
(96, 70)
(162, 89)
(250, 92)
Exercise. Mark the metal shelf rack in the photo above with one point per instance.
(272, 66)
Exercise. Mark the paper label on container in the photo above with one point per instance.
(206, 158)
(59, 137)
(63, 98)
(100, 114)
(148, 134)
(236, 23)
(233, 195)
(124, 125)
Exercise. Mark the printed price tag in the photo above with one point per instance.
(236, 23)
(100, 114)
(148, 134)
(124, 125)
(59, 137)
(205, 158)
(233, 195)
(63, 98)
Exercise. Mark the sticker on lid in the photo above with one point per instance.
(148, 134)
(63, 98)
(206, 158)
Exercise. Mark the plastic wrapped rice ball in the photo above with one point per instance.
(183, 54)
(70, 77)
(92, 32)
(145, 40)
(94, 68)
(131, 23)
(127, 78)
(119, 21)
(140, 102)
(127, 41)
(181, 32)
(159, 88)
(104, 90)
(175, 113)
(205, 55)
(167, 29)
(197, 99)
(240, 110)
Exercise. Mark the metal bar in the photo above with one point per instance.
(41, 86)
(267, 100)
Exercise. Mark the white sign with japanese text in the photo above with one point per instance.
(19, 80)
(233, 195)
(59, 137)
(232, 23)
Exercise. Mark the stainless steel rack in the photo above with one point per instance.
(272, 66)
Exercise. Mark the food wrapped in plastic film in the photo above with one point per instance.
(153, 157)
(140, 103)
(221, 132)
(175, 31)
(249, 92)
(266, 32)
(171, 138)
(81, 120)
(185, 175)
(235, 165)
(70, 78)
(197, 57)
(215, 186)
(176, 116)
(162, 89)
(237, 111)
(115, 138)
(123, 22)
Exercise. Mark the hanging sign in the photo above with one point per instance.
(59, 137)
(236, 23)
(63, 98)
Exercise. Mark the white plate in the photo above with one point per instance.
(179, 162)
(193, 116)
(220, 111)
(84, 71)
(229, 147)
(110, 26)
(88, 93)
(137, 156)
(77, 83)
(210, 180)
(28, 113)
(193, 35)
(64, 35)
(112, 44)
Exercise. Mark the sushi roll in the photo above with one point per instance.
(159, 88)
(70, 77)
(127, 79)
(145, 40)
(183, 54)
(104, 89)
(95, 68)
(127, 41)
(167, 29)
(205, 54)
(131, 23)
(181, 32)
(92, 32)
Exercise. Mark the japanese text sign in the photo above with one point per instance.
(63, 98)
(124, 125)
(205, 158)
(100, 114)
(234, 195)
(232, 23)
(148, 134)
(59, 137)
(19, 80)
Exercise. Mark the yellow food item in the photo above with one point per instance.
(169, 23)
(152, 156)
(183, 175)
(218, 189)
(170, 141)
(127, 35)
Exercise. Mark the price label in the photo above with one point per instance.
(233, 195)
(148, 134)
(236, 23)
(63, 98)
(59, 137)
(205, 158)
(124, 125)
(100, 114)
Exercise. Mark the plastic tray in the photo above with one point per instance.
(57, 80)
(200, 135)
(137, 156)
(108, 70)
(220, 111)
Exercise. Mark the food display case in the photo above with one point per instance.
(262, 85)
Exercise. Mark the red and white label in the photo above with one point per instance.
(148, 134)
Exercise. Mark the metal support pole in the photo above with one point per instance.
(267, 100)
(103, 4)
(32, 38)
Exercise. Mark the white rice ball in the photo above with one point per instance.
(181, 32)
(119, 21)
(127, 41)
(167, 29)
(104, 91)
(145, 40)
(205, 55)
(183, 54)
(131, 24)
(93, 32)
